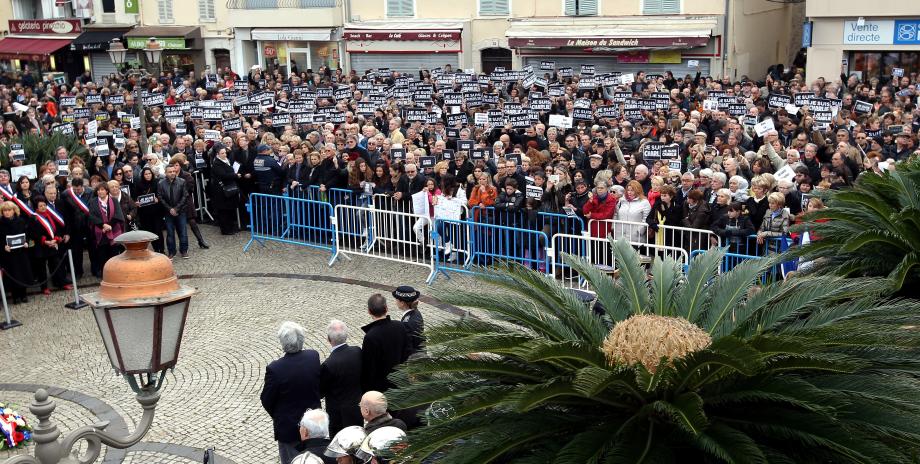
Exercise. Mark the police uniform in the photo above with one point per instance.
(412, 319)
(267, 172)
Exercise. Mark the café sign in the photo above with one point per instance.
(45, 26)
(403, 35)
(610, 42)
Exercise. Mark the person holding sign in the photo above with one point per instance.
(149, 211)
(107, 222)
(14, 258)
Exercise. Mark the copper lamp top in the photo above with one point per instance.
(138, 275)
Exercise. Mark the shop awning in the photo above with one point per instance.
(319, 34)
(19, 48)
(662, 32)
(169, 37)
(403, 31)
(96, 39)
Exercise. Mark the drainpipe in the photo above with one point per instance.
(725, 35)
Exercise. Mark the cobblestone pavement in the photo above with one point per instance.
(212, 399)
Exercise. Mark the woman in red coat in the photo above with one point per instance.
(601, 205)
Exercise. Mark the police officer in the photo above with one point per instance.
(407, 301)
(267, 172)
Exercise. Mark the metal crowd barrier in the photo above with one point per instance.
(548, 223)
(484, 245)
(685, 238)
(291, 220)
(387, 235)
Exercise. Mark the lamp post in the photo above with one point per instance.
(141, 310)
(154, 53)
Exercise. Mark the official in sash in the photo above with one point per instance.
(75, 210)
(47, 235)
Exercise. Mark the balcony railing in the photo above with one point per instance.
(273, 4)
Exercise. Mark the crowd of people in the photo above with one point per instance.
(356, 424)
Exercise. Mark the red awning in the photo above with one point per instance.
(20, 48)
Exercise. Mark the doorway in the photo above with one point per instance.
(494, 58)
(298, 60)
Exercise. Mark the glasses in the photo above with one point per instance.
(119, 173)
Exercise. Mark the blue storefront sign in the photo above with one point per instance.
(806, 34)
(907, 32)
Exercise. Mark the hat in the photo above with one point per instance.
(903, 133)
(595, 155)
(346, 442)
(263, 149)
(307, 458)
(254, 67)
(379, 440)
(406, 294)
(700, 134)
(689, 127)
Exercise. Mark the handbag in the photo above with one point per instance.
(231, 190)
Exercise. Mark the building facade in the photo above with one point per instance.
(193, 33)
(287, 35)
(721, 37)
(869, 42)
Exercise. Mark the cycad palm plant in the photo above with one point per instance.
(871, 229)
(702, 367)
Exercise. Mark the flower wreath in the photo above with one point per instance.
(15, 432)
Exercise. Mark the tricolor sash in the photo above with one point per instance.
(58, 218)
(78, 201)
(9, 196)
(46, 224)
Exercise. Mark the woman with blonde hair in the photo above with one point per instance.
(17, 269)
(775, 222)
(634, 207)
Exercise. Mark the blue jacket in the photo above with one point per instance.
(267, 172)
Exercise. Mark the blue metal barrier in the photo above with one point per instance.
(333, 196)
(549, 223)
(730, 260)
(291, 220)
(484, 245)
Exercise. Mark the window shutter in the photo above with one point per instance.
(670, 6)
(588, 7)
(570, 8)
(493, 7)
(651, 6)
(206, 9)
(164, 8)
(401, 8)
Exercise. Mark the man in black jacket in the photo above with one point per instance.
(291, 387)
(407, 300)
(340, 379)
(386, 345)
(75, 209)
(172, 194)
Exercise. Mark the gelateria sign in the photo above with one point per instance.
(46, 26)
(615, 42)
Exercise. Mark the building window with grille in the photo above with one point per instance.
(206, 10)
(580, 7)
(654, 7)
(493, 7)
(165, 11)
(400, 8)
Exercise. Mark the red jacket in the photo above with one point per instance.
(599, 211)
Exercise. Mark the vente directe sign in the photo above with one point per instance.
(168, 43)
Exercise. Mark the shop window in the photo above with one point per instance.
(493, 7)
(652, 7)
(580, 7)
(400, 8)
(165, 11)
(206, 10)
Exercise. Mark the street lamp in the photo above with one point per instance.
(141, 311)
(153, 51)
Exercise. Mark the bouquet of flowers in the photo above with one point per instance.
(14, 431)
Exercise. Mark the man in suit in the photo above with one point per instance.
(340, 379)
(386, 345)
(74, 208)
(291, 387)
(407, 301)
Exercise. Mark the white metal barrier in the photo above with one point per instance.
(388, 235)
(599, 253)
(670, 236)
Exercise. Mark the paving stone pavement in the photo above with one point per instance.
(212, 397)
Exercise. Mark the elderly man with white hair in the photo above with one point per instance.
(340, 378)
(291, 387)
(314, 438)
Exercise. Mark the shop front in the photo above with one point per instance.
(42, 45)
(403, 47)
(626, 45)
(93, 44)
(866, 47)
(182, 46)
(297, 50)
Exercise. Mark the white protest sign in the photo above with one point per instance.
(534, 192)
(136, 123)
(763, 127)
(710, 105)
(792, 109)
(482, 119)
(786, 173)
(627, 79)
(28, 170)
(91, 128)
(693, 63)
(897, 72)
(420, 203)
(559, 120)
(447, 209)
